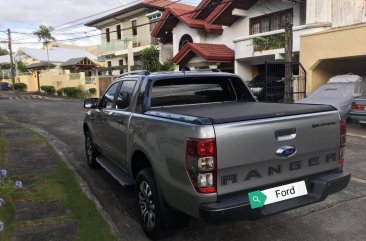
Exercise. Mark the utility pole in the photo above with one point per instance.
(11, 59)
(287, 23)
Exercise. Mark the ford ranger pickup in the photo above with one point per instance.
(198, 144)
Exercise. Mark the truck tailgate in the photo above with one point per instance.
(246, 150)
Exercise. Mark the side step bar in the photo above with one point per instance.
(117, 173)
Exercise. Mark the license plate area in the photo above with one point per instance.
(261, 198)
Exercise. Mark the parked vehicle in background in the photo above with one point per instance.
(358, 110)
(339, 92)
(199, 144)
(4, 86)
(275, 88)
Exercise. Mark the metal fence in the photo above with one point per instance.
(274, 88)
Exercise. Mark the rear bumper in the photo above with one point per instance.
(237, 206)
(359, 117)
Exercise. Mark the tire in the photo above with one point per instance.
(148, 204)
(91, 151)
(147, 192)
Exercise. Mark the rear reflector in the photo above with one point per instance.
(358, 106)
(342, 143)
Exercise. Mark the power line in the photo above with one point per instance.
(93, 15)
(140, 25)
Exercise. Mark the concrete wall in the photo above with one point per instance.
(338, 12)
(57, 80)
(319, 51)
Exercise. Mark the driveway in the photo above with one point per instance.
(340, 217)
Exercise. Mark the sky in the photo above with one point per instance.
(23, 17)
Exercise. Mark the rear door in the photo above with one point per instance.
(249, 152)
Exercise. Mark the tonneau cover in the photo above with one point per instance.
(227, 112)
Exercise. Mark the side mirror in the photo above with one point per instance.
(91, 103)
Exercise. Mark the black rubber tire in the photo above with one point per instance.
(165, 217)
(147, 193)
(91, 151)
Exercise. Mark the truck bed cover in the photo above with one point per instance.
(226, 112)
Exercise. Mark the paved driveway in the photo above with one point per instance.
(340, 217)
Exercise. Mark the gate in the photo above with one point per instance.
(274, 89)
(104, 82)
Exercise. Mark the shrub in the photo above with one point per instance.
(60, 92)
(20, 86)
(167, 66)
(92, 91)
(48, 89)
(73, 92)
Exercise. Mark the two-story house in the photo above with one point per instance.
(242, 35)
(126, 32)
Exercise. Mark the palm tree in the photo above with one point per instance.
(44, 34)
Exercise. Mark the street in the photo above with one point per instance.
(339, 217)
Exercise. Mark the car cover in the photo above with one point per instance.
(339, 92)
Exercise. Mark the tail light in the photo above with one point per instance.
(343, 138)
(201, 164)
(358, 106)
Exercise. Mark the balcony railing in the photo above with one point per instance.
(120, 45)
(273, 42)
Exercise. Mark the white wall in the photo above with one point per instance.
(239, 29)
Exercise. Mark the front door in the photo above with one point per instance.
(119, 122)
(102, 133)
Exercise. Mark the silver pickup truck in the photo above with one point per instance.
(198, 144)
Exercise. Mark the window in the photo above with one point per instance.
(268, 22)
(134, 27)
(118, 30)
(124, 95)
(107, 35)
(192, 91)
(184, 40)
(107, 99)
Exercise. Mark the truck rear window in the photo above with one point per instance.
(192, 91)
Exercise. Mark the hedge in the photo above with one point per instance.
(73, 91)
(92, 91)
(50, 90)
(20, 86)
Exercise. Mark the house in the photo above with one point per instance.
(5, 64)
(37, 59)
(228, 29)
(245, 36)
(81, 64)
(343, 46)
(126, 32)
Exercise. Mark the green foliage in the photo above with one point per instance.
(44, 34)
(150, 59)
(92, 91)
(21, 66)
(20, 86)
(76, 92)
(275, 41)
(167, 66)
(3, 51)
(48, 89)
(60, 92)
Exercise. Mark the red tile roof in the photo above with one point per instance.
(210, 52)
(175, 13)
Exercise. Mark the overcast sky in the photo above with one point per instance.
(26, 15)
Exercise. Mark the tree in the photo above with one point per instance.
(150, 59)
(3, 51)
(21, 66)
(44, 34)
